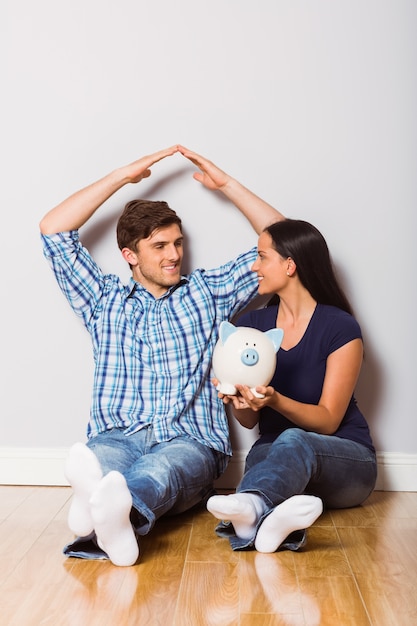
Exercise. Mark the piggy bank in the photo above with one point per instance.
(245, 356)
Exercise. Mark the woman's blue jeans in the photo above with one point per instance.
(168, 477)
(339, 471)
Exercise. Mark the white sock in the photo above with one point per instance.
(242, 509)
(296, 513)
(83, 471)
(111, 504)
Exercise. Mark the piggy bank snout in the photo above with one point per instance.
(249, 357)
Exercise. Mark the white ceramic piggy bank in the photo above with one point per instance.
(245, 356)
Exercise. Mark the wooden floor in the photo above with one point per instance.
(359, 568)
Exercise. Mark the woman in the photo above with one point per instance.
(314, 447)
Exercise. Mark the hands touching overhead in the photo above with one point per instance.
(210, 175)
(77, 209)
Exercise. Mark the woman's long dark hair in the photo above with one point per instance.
(305, 244)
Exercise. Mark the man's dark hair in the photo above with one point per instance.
(140, 218)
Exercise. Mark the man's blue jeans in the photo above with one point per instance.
(339, 471)
(168, 477)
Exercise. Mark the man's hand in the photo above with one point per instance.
(139, 169)
(73, 212)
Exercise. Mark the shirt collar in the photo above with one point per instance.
(134, 286)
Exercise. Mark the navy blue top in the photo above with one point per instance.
(300, 371)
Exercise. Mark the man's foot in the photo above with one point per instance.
(83, 471)
(111, 504)
(296, 513)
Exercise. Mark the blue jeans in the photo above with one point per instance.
(168, 477)
(339, 471)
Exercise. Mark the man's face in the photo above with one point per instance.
(156, 263)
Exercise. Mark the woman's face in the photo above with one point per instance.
(270, 267)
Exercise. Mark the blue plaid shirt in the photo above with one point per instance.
(153, 356)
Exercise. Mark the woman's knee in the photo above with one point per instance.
(294, 438)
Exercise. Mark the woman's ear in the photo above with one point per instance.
(291, 266)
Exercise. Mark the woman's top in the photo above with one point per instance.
(300, 371)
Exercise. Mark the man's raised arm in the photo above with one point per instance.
(73, 212)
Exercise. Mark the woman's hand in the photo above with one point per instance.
(252, 401)
(259, 213)
(242, 411)
(210, 175)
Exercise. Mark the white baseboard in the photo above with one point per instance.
(45, 466)
(32, 466)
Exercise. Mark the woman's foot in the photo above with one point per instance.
(242, 509)
(296, 513)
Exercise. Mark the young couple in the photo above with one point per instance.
(157, 436)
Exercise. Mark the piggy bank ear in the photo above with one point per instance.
(276, 335)
(226, 329)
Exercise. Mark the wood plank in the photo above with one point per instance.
(384, 563)
(269, 584)
(209, 595)
(332, 601)
(11, 497)
(270, 619)
(25, 524)
(205, 545)
(323, 555)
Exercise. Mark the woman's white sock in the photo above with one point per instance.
(296, 513)
(242, 509)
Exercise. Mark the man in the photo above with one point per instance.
(158, 434)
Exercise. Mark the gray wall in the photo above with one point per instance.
(310, 104)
